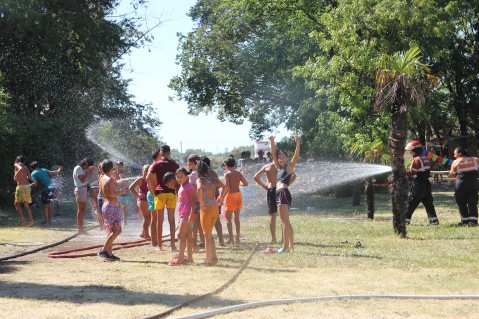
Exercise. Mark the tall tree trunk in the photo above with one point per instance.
(397, 143)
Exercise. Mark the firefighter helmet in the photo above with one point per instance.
(413, 145)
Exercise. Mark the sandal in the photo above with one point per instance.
(269, 250)
(177, 262)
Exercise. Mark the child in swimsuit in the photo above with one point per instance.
(283, 196)
(206, 186)
(186, 211)
(123, 198)
(233, 199)
(111, 210)
(141, 200)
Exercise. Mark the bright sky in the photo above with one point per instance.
(151, 68)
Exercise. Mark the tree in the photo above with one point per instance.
(59, 61)
(398, 84)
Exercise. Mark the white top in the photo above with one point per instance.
(77, 171)
(193, 177)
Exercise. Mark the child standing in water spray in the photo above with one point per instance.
(270, 171)
(111, 210)
(209, 209)
(120, 174)
(283, 196)
(186, 211)
(192, 161)
(141, 200)
(233, 199)
(100, 200)
(21, 175)
(81, 174)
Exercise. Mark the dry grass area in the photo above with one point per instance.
(337, 252)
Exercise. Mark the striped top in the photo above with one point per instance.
(419, 164)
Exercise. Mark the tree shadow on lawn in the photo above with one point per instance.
(8, 267)
(93, 294)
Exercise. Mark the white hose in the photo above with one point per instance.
(263, 303)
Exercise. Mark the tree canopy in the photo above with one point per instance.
(60, 72)
(311, 64)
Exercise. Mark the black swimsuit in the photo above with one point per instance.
(283, 175)
(283, 196)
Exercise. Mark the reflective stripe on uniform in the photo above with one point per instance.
(420, 164)
(464, 165)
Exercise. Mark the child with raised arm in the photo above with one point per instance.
(186, 211)
(111, 210)
(233, 199)
(283, 196)
(270, 171)
(141, 200)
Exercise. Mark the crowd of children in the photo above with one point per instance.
(193, 192)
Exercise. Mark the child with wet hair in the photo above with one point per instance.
(186, 212)
(141, 200)
(233, 199)
(111, 210)
(209, 210)
(192, 162)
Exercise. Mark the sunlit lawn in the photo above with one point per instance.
(337, 252)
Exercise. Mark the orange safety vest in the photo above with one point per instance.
(419, 164)
(464, 165)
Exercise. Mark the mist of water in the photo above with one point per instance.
(312, 177)
(93, 134)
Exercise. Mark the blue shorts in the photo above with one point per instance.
(151, 201)
(48, 196)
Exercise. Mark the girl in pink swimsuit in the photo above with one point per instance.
(186, 211)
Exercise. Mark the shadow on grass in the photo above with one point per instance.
(95, 294)
(272, 270)
(348, 255)
(8, 267)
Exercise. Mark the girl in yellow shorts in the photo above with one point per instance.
(209, 211)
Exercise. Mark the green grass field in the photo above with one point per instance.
(337, 252)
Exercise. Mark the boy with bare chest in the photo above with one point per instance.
(233, 199)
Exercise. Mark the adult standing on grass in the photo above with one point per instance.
(283, 196)
(81, 174)
(164, 196)
(21, 175)
(110, 210)
(465, 170)
(420, 190)
(41, 177)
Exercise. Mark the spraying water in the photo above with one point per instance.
(93, 134)
(312, 177)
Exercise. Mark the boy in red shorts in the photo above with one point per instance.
(233, 199)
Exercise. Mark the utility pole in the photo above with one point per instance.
(181, 147)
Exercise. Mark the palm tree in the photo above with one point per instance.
(398, 83)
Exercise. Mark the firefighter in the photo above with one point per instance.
(464, 169)
(420, 190)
